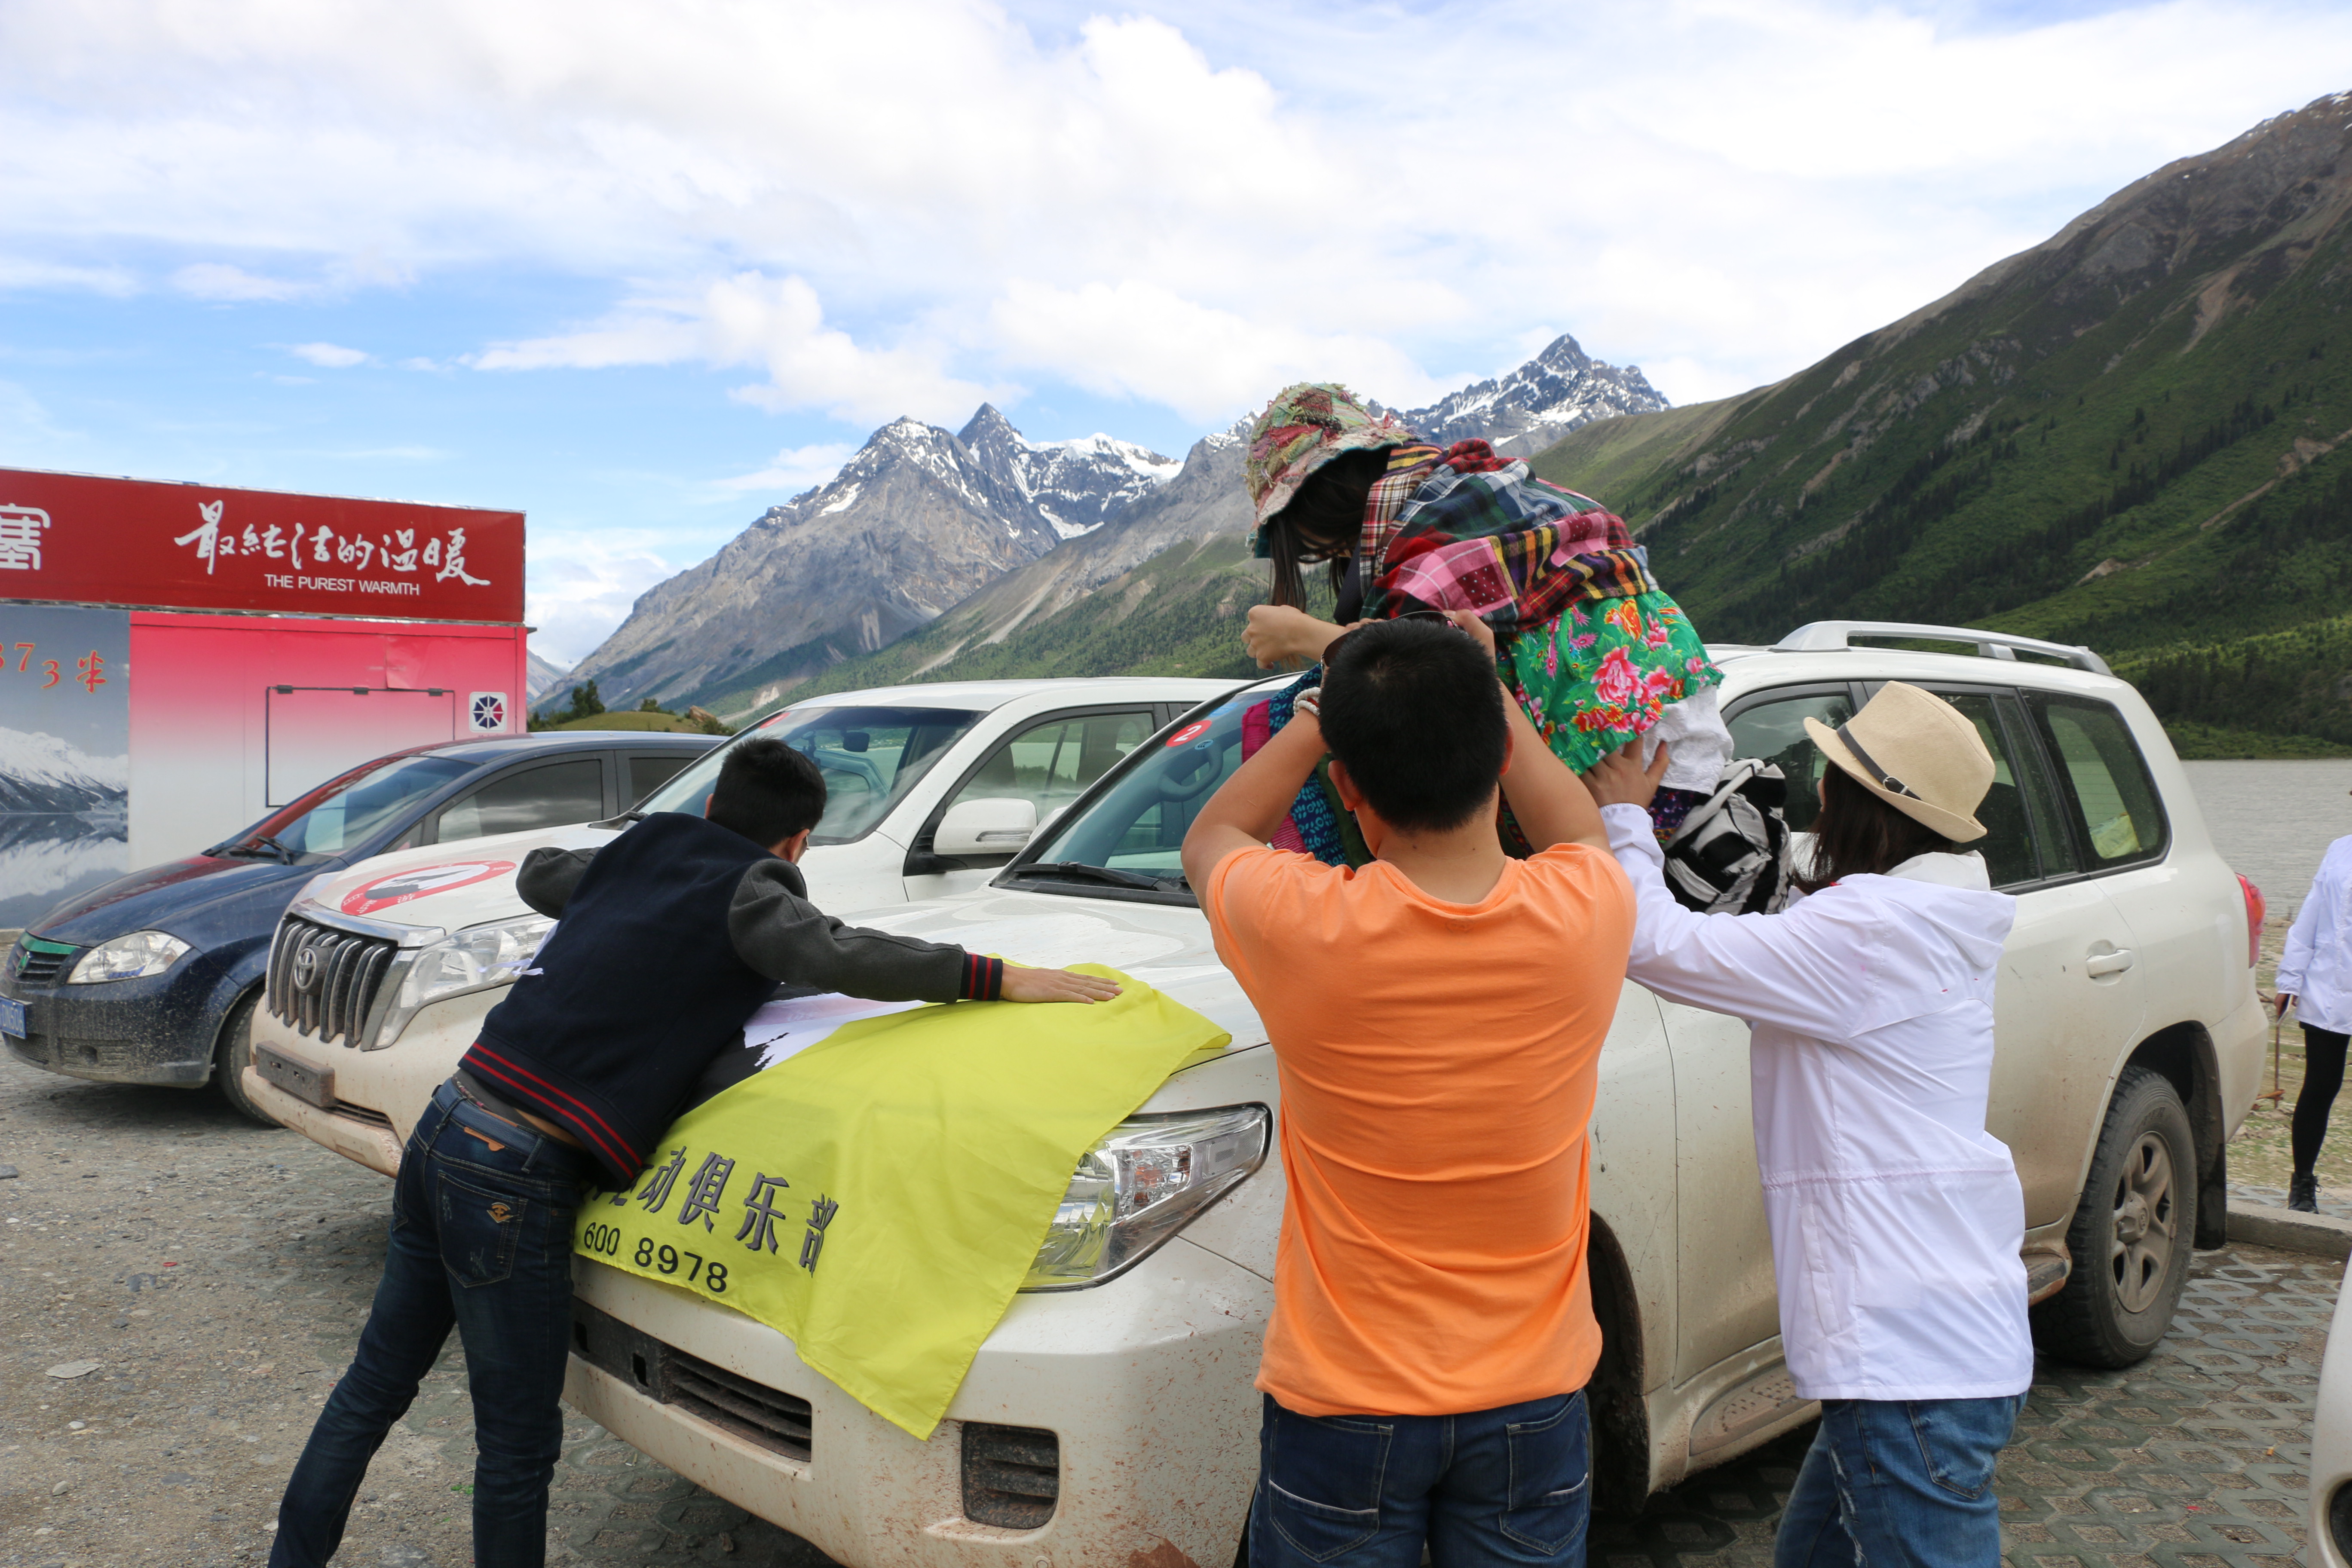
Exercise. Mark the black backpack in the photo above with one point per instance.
(1730, 856)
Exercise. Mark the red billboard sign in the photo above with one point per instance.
(80, 539)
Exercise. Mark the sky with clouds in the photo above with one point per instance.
(642, 269)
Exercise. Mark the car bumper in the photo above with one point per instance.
(157, 1030)
(378, 1095)
(1146, 1383)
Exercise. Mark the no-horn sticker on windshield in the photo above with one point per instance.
(424, 882)
(1189, 732)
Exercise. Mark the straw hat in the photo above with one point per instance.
(1917, 752)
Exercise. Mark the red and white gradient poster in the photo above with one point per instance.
(231, 714)
(78, 538)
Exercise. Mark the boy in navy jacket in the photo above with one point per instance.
(669, 939)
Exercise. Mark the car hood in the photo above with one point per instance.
(447, 886)
(1166, 946)
(165, 896)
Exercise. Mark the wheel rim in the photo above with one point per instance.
(2143, 1239)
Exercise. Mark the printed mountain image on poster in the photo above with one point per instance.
(64, 756)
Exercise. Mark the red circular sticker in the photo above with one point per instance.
(1189, 732)
(421, 883)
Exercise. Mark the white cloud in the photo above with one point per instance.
(1141, 340)
(789, 472)
(330, 356)
(19, 272)
(1182, 208)
(215, 280)
(582, 582)
(749, 319)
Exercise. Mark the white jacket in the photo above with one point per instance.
(1896, 1218)
(2317, 967)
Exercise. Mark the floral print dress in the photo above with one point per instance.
(1603, 672)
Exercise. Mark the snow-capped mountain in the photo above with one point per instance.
(1074, 485)
(1526, 411)
(915, 522)
(43, 773)
(921, 520)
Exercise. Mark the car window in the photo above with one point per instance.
(1774, 730)
(343, 812)
(2008, 845)
(870, 758)
(1138, 823)
(1053, 761)
(649, 774)
(545, 796)
(2103, 788)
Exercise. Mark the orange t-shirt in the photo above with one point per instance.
(1438, 1064)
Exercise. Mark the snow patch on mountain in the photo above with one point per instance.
(40, 772)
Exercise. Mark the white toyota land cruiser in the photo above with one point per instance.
(1110, 1417)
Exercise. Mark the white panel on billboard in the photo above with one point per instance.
(317, 732)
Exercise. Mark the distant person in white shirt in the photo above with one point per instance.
(1896, 1218)
(2315, 978)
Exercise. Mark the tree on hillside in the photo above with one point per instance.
(584, 704)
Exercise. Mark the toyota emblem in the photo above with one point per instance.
(306, 968)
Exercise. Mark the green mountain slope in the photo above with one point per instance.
(2126, 437)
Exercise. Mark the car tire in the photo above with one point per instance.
(2133, 1231)
(233, 1054)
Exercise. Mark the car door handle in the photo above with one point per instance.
(2099, 965)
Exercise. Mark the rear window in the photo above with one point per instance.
(2103, 787)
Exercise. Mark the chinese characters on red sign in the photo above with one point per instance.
(71, 538)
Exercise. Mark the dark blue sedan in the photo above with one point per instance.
(153, 978)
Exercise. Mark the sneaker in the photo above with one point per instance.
(2302, 1193)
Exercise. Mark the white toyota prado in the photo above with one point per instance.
(1110, 1417)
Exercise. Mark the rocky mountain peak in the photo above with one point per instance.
(1535, 404)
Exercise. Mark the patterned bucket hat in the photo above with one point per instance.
(1303, 428)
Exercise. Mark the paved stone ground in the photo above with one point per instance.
(2194, 1459)
(217, 1273)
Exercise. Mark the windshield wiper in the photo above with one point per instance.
(257, 845)
(1079, 871)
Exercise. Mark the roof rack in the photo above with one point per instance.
(1834, 636)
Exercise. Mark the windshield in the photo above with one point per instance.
(871, 758)
(345, 812)
(1137, 824)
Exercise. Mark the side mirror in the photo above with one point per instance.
(985, 827)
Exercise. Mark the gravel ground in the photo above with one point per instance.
(215, 1273)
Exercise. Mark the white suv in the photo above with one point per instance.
(1110, 1417)
(930, 790)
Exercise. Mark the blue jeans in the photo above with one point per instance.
(481, 1239)
(1899, 1483)
(1508, 1486)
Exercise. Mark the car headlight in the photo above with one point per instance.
(1141, 1184)
(476, 959)
(142, 953)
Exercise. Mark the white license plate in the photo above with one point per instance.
(12, 1016)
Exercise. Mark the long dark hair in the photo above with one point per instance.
(1858, 833)
(1322, 522)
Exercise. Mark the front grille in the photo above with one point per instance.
(1012, 1475)
(361, 1114)
(324, 981)
(35, 963)
(774, 1420)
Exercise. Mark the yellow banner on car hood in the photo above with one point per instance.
(879, 1194)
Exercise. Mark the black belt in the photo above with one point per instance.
(1887, 780)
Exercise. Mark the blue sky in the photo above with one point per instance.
(641, 270)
